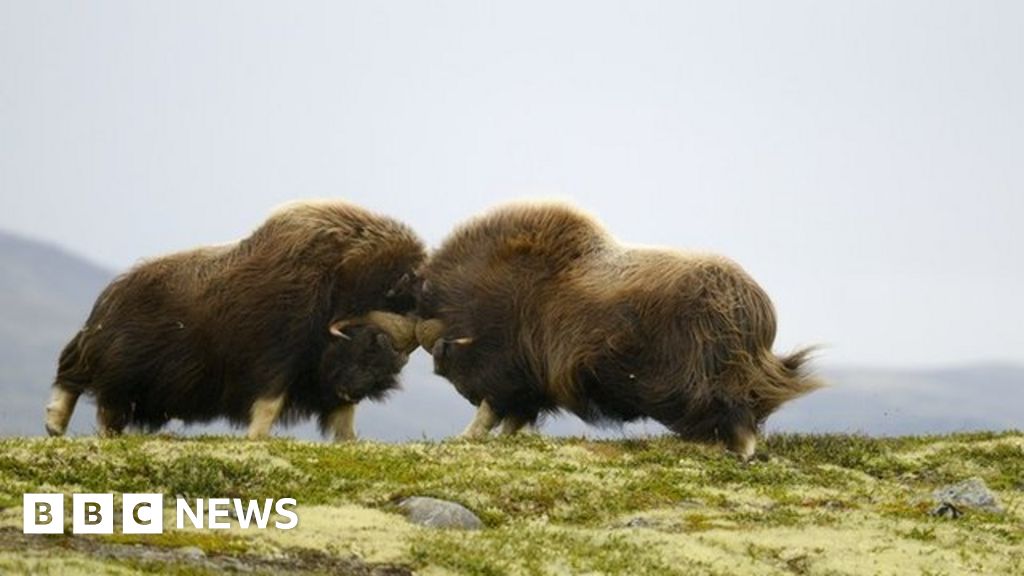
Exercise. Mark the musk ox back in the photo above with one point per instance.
(307, 315)
(533, 308)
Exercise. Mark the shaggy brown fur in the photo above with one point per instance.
(206, 333)
(534, 307)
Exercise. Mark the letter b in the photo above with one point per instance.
(43, 513)
(92, 513)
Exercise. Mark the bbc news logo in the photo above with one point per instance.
(144, 513)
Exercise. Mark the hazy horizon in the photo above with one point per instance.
(860, 160)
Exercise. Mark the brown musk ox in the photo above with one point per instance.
(534, 307)
(307, 315)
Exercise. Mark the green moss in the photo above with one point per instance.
(559, 504)
(208, 541)
(127, 465)
(923, 533)
(522, 548)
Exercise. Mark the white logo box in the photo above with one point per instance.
(93, 513)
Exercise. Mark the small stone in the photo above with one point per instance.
(236, 565)
(192, 552)
(969, 494)
(435, 513)
(145, 556)
(640, 522)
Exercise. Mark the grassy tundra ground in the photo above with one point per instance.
(806, 505)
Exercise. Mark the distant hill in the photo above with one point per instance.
(43, 287)
(46, 293)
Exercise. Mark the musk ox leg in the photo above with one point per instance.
(482, 424)
(743, 441)
(110, 420)
(342, 421)
(59, 410)
(513, 425)
(262, 415)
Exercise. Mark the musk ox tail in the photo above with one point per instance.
(73, 369)
(781, 379)
(796, 362)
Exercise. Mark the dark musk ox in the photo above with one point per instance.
(307, 315)
(533, 308)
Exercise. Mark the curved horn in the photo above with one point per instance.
(428, 331)
(401, 329)
(337, 327)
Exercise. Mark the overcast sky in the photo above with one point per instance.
(863, 160)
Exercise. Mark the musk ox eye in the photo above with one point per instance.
(444, 346)
(400, 286)
(384, 341)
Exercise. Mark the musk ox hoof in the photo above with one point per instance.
(58, 411)
(53, 429)
(746, 451)
(342, 422)
(471, 433)
(483, 422)
(743, 443)
(56, 422)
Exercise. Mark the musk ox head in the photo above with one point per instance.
(431, 332)
(448, 353)
(363, 357)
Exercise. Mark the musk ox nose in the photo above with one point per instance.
(427, 333)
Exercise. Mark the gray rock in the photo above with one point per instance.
(192, 552)
(141, 555)
(435, 513)
(970, 494)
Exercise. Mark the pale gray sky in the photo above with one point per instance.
(864, 160)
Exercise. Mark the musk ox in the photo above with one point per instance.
(533, 308)
(307, 315)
